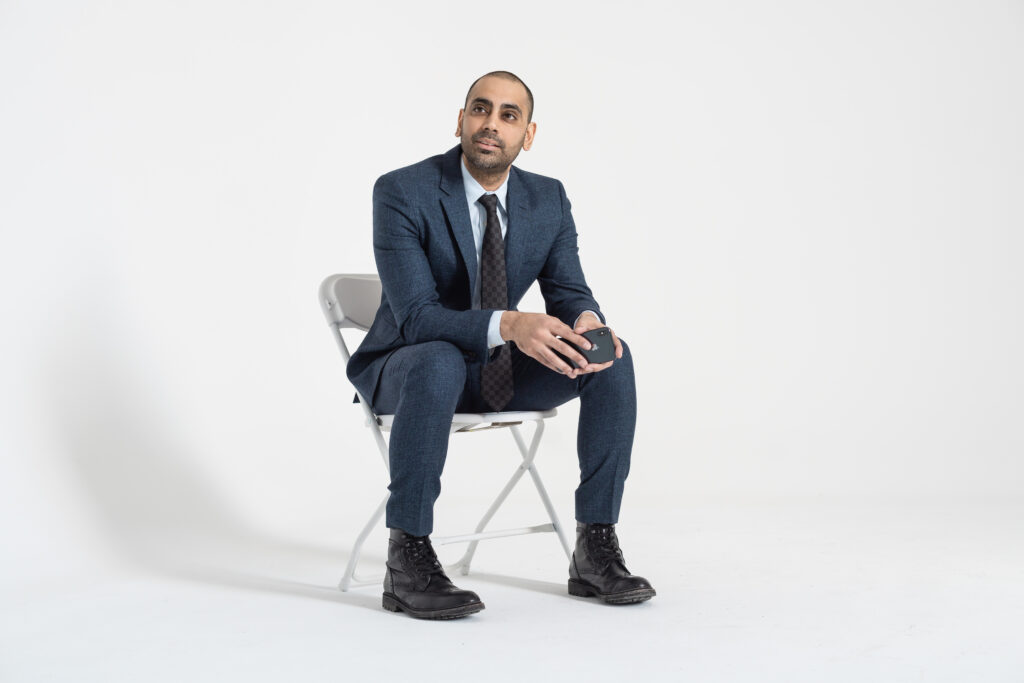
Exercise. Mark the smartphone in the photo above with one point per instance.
(602, 347)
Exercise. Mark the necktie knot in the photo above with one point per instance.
(490, 202)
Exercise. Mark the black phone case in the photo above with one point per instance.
(602, 347)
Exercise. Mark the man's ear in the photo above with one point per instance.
(458, 126)
(531, 130)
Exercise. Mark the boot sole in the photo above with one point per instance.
(584, 590)
(392, 603)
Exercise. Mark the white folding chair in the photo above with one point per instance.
(351, 301)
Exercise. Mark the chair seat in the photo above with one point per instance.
(469, 419)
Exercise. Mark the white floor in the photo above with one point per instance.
(770, 591)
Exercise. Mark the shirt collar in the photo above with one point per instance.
(475, 189)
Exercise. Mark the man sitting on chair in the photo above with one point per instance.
(458, 239)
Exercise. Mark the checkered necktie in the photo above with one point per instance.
(496, 376)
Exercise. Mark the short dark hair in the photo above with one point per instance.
(507, 75)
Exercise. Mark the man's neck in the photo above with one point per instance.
(489, 180)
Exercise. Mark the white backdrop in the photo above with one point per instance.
(805, 218)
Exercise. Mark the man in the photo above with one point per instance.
(458, 240)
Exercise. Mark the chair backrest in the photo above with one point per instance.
(351, 299)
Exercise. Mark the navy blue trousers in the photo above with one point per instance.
(423, 385)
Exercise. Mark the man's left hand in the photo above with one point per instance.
(589, 321)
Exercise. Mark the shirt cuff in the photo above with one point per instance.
(494, 330)
(581, 315)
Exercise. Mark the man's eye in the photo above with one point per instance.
(510, 116)
(478, 108)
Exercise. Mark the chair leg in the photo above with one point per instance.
(542, 491)
(353, 560)
(350, 577)
(559, 529)
(467, 557)
(528, 453)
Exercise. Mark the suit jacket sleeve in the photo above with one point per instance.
(408, 281)
(561, 280)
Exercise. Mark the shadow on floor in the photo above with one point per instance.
(159, 512)
(135, 465)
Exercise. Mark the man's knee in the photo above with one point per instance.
(439, 368)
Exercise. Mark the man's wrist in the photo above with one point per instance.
(596, 317)
(508, 319)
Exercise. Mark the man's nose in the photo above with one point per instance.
(492, 121)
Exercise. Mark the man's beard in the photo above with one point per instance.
(499, 159)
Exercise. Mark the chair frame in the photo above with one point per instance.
(361, 286)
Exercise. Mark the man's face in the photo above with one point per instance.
(493, 125)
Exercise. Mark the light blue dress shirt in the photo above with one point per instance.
(478, 221)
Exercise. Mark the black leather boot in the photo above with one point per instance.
(415, 582)
(597, 568)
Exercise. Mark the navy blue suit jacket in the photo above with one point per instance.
(426, 259)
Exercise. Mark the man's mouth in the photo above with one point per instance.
(487, 143)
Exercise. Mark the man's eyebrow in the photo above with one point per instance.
(488, 103)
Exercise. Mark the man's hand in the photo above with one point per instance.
(589, 321)
(536, 335)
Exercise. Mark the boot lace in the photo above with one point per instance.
(420, 555)
(603, 545)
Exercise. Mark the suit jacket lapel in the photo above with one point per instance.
(455, 207)
(517, 239)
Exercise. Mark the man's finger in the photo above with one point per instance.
(570, 352)
(618, 345)
(596, 367)
(567, 332)
(554, 362)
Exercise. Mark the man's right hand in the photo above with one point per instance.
(536, 335)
